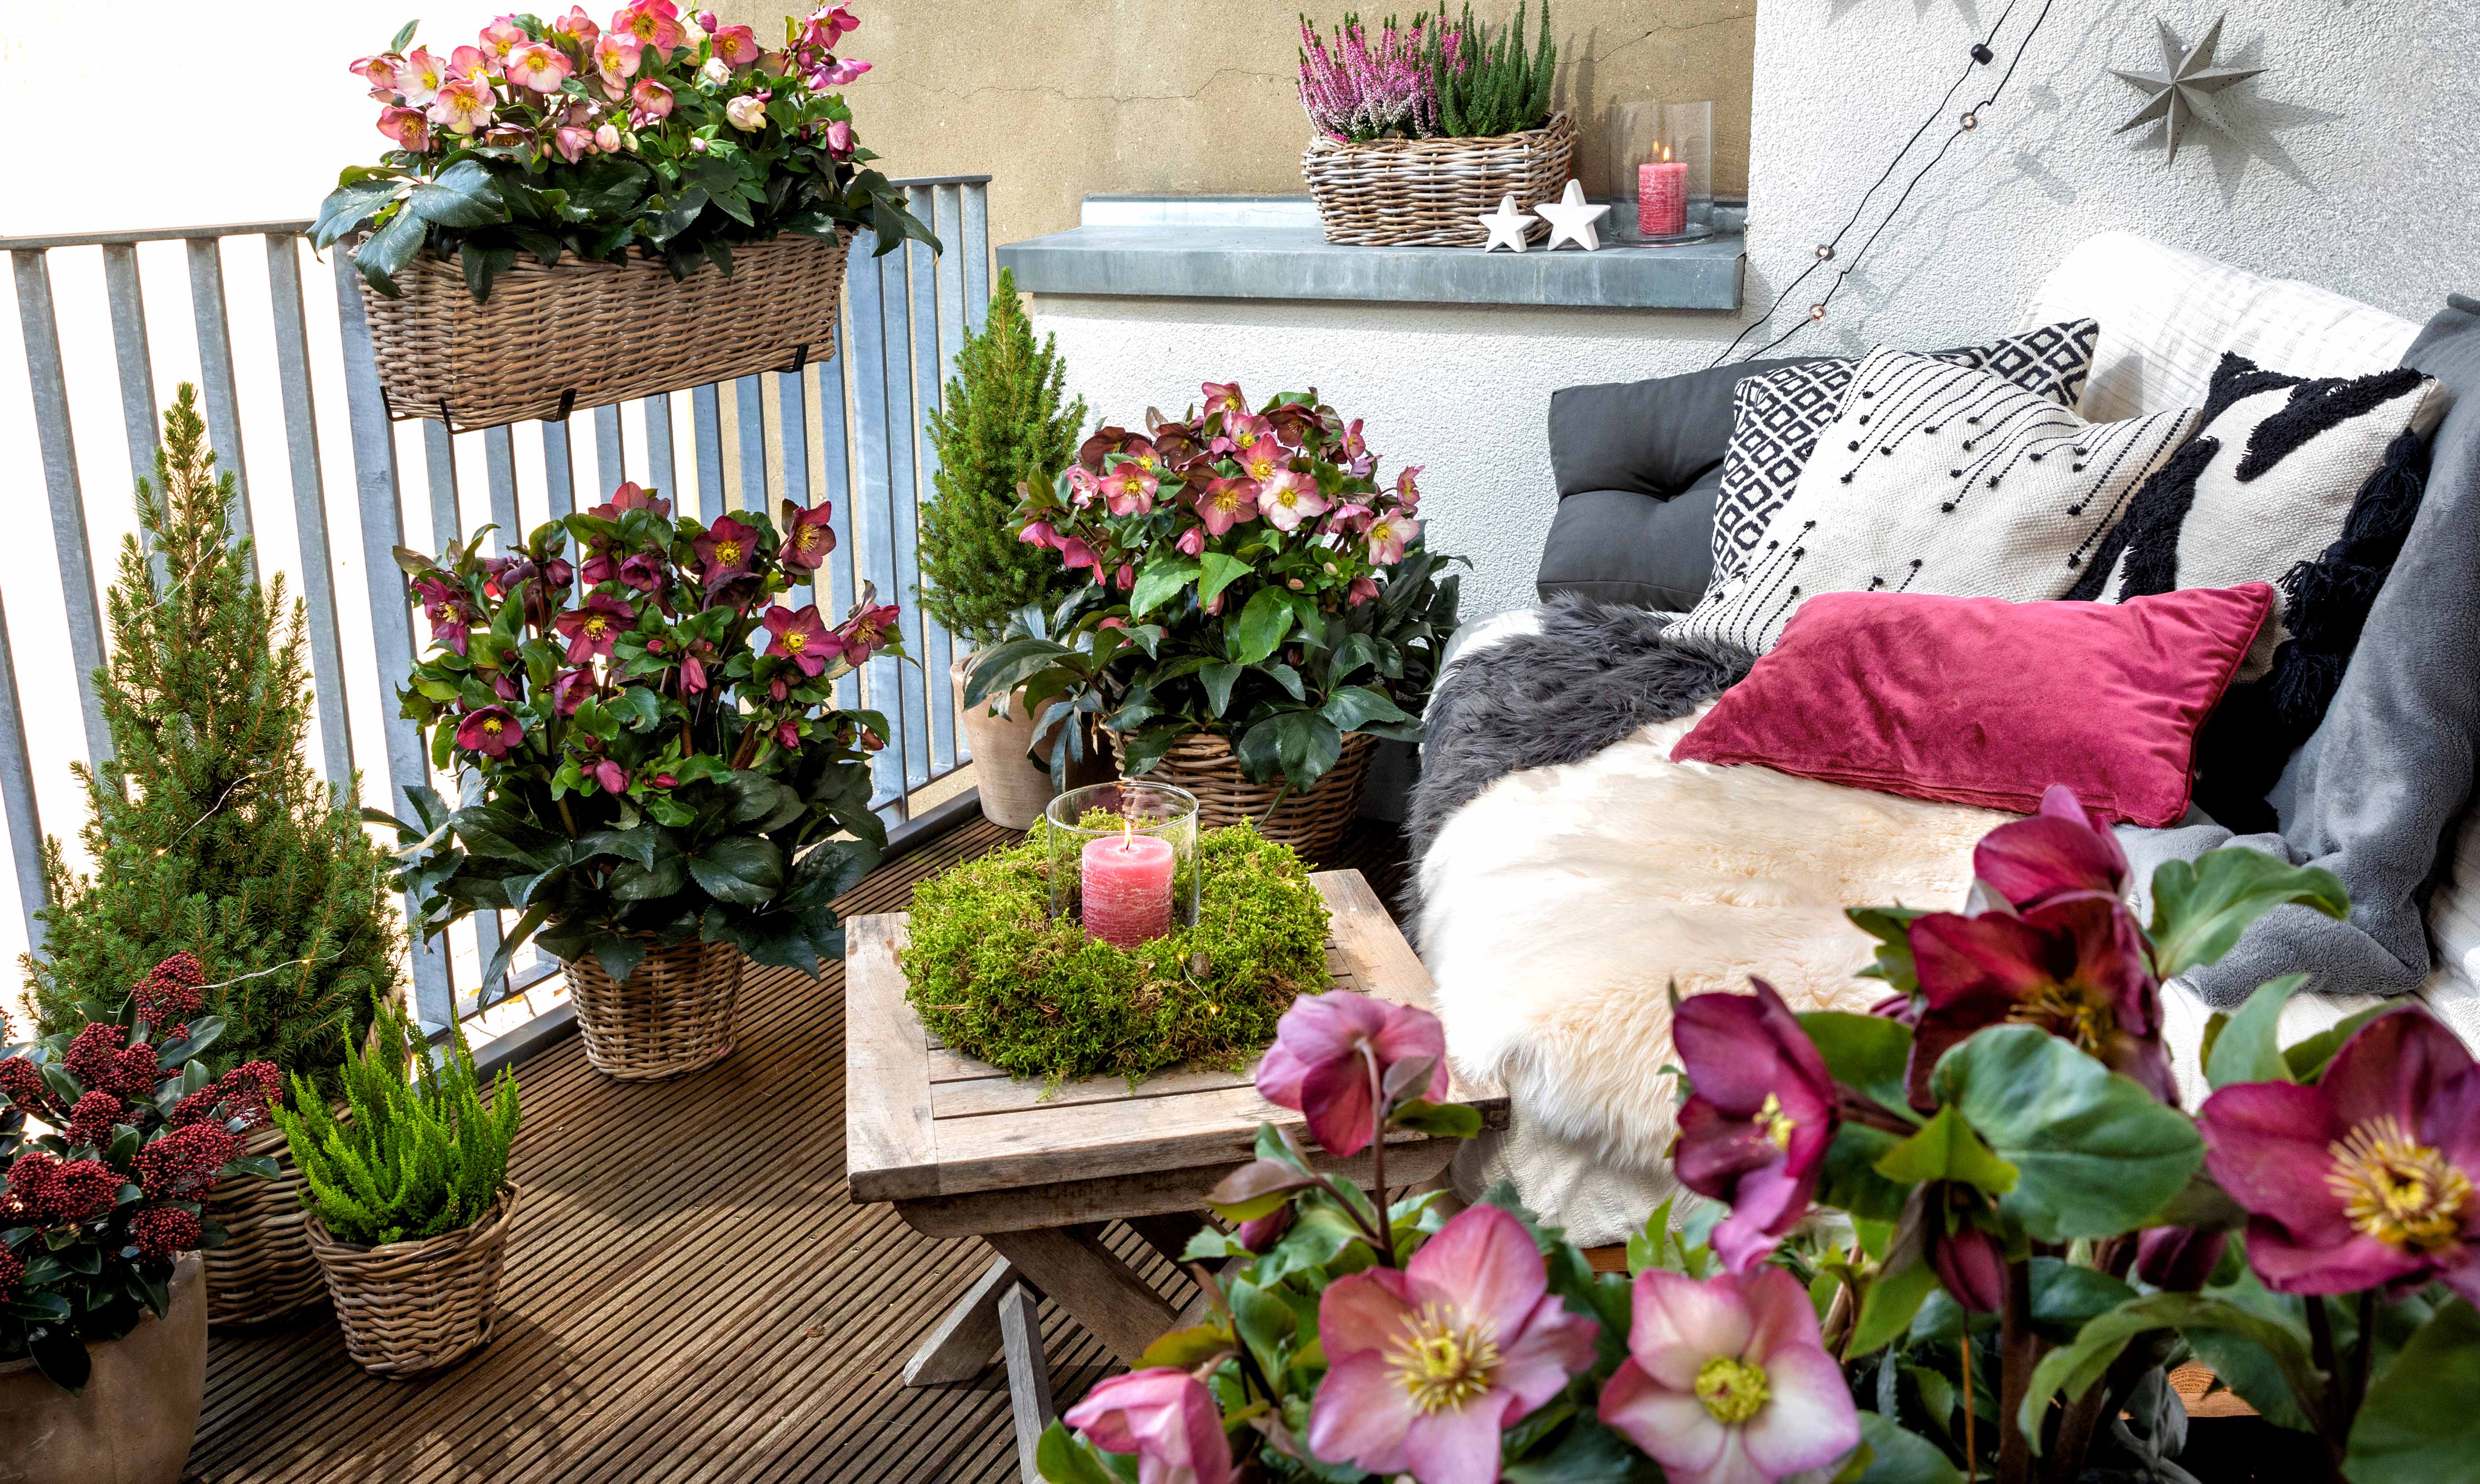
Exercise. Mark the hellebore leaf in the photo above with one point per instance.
(2200, 907)
(2248, 1051)
(2421, 1420)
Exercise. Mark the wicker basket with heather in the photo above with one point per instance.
(661, 780)
(553, 185)
(1259, 610)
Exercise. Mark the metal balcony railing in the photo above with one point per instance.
(846, 429)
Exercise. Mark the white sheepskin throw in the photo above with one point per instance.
(1559, 906)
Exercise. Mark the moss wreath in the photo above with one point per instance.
(993, 977)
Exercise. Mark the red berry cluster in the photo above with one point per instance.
(22, 1088)
(53, 1191)
(98, 1058)
(243, 1093)
(172, 991)
(183, 1165)
(90, 1121)
(11, 1270)
(163, 1233)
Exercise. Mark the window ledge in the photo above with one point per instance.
(1272, 248)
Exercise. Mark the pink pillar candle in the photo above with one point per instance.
(1662, 197)
(1127, 889)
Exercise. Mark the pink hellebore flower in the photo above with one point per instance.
(630, 495)
(1386, 537)
(1429, 1364)
(1263, 460)
(1084, 486)
(380, 72)
(736, 44)
(1225, 396)
(1407, 494)
(1130, 491)
(1362, 591)
(1074, 554)
(1244, 431)
(727, 548)
(2370, 1178)
(1727, 1382)
(1289, 497)
(747, 112)
(1164, 1416)
(1038, 534)
(2063, 848)
(1357, 458)
(1191, 542)
(809, 539)
(655, 23)
(578, 27)
(2178, 1257)
(420, 77)
(615, 61)
(593, 629)
(573, 144)
(1126, 578)
(801, 638)
(500, 39)
(1350, 518)
(708, 20)
(569, 689)
(1755, 1131)
(468, 63)
(1227, 503)
(1320, 1062)
(608, 137)
(840, 137)
(613, 778)
(653, 98)
(491, 731)
(538, 66)
(839, 73)
(407, 127)
(462, 106)
(828, 23)
(864, 633)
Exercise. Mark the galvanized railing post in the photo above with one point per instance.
(216, 374)
(52, 434)
(17, 796)
(310, 509)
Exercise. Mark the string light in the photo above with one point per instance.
(1964, 123)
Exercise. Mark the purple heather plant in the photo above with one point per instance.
(1356, 89)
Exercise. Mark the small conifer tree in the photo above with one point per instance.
(1003, 424)
(209, 829)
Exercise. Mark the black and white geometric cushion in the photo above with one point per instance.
(1775, 419)
(1939, 479)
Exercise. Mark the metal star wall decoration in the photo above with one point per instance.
(2184, 89)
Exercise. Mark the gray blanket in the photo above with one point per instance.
(2370, 795)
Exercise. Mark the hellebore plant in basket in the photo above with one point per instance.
(1251, 576)
(94, 1213)
(656, 757)
(676, 137)
(1979, 1215)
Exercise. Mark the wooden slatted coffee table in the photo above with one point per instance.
(961, 1149)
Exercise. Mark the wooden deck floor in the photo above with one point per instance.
(691, 1295)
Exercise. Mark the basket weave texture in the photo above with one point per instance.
(672, 1016)
(1312, 823)
(265, 1270)
(407, 1308)
(1427, 191)
(551, 340)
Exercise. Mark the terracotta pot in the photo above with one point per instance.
(1014, 790)
(134, 1423)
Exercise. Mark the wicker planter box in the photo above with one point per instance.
(673, 1014)
(265, 1270)
(551, 340)
(407, 1308)
(1312, 823)
(1426, 191)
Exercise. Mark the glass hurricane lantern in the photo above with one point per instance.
(1122, 860)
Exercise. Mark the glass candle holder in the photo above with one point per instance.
(1661, 172)
(1123, 860)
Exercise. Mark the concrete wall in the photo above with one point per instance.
(2352, 164)
(1061, 102)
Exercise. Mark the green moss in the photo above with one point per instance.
(992, 976)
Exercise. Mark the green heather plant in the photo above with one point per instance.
(209, 830)
(421, 1154)
(1004, 428)
(1485, 83)
(991, 972)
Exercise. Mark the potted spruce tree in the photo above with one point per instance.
(1005, 426)
(209, 833)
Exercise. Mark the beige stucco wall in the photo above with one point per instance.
(1056, 101)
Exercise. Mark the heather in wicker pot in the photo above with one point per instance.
(661, 779)
(1258, 609)
(103, 1315)
(409, 1199)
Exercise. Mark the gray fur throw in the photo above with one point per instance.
(1595, 673)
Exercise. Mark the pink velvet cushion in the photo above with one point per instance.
(1985, 702)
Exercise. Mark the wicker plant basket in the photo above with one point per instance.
(551, 340)
(1312, 823)
(407, 1308)
(1427, 191)
(672, 1016)
(265, 1270)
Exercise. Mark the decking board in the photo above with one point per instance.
(691, 1295)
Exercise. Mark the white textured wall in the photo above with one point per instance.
(1463, 390)
(2352, 164)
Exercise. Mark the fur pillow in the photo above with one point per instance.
(1776, 418)
(1939, 479)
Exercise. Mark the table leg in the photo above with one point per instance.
(967, 1338)
(1028, 1377)
(1085, 1278)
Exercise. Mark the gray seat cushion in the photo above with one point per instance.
(1653, 437)
(1619, 546)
